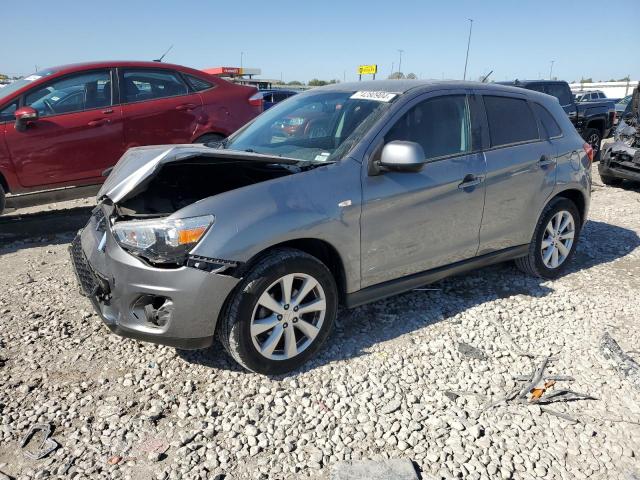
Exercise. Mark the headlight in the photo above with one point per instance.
(162, 241)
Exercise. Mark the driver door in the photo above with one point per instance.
(417, 221)
(77, 136)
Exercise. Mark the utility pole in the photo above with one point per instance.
(400, 51)
(464, 76)
(551, 70)
(241, 58)
(392, 68)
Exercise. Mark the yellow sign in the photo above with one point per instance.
(367, 69)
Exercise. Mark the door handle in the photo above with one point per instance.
(471, 180)
(545, 160)
(98, 122)
(186, 106)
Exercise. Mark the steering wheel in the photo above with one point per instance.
(49, 106)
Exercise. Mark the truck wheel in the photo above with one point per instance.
(594, 138)
(611, 181)
(209, 138)
(3, 199)
(281, 313)
(554, 240)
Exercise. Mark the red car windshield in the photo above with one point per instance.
(315, 127)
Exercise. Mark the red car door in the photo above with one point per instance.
(79, 132)
(158, 107)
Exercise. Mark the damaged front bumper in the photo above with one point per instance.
(620, 161)
(178, 307)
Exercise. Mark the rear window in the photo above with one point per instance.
(560, 91)
(551, 127)
(198, 84)
(510, 120)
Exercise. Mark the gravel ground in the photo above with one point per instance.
(399, 378)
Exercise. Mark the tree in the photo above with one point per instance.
(314, 82)
(586, 80)
(396, 76)
(294, 82)
(411, 76)
(625, 79)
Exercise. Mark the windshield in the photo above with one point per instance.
(315, 127)
(18, 84)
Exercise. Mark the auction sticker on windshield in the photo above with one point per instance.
(377, 96)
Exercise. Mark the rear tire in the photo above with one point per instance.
(594, 138)
(265, 329)
(3, 199)
(209, 138)
(611, 181)
(539, 262)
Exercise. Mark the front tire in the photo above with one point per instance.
(554, 240)
(209, 138)
(3, 199)
(281, 313)
(611, 181)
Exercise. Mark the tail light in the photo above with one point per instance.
(256, 101)
(588, 149)
(613, 117)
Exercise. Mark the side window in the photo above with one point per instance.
(549, 123)
(198, 84)
(278, 97)
(510, 120)
(6, 114)
(440, 125)
(84, 91)
(561, 92)
(140, 85)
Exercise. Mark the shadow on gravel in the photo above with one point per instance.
(41, 228)
(361, 329)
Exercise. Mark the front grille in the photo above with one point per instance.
(89, 282)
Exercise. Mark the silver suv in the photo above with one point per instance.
(340, 195)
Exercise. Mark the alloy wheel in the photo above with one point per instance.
(288, 316)
(558, 239)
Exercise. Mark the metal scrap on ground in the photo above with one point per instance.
(622, 362)
(47, 445)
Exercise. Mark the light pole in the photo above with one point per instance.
(464, 76)
(551, 70)
(400, 63)
(241, 58)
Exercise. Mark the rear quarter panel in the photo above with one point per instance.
(227, 107)
(252, 219)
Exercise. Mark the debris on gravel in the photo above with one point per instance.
(394, 469)
(392, 382)
(622, 362)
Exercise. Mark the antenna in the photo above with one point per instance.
(484, 80)
(163, 55)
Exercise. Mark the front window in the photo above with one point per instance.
(319, 126)
(74, 93)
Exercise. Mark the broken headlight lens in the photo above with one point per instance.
(162, 241)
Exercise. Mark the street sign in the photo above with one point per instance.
(367, 69)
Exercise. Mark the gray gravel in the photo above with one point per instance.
(127, 410)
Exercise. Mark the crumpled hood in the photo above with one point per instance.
(140, 164)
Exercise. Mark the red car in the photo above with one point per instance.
(64, 126)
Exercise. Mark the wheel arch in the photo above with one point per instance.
(321, 249)
(578, 198)
(598, 124)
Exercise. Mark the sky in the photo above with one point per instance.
(327, 39)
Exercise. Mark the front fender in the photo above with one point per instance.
(323, 203)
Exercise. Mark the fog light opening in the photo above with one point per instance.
(155, 310)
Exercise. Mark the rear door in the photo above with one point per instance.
(416, 221)
(158, 107)
(77, 136)
(521, 172)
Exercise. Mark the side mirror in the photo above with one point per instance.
(25, 116)
(402, 156)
